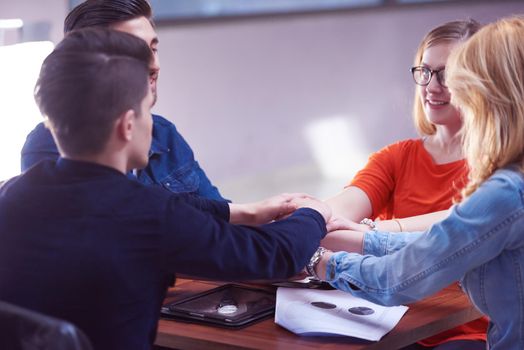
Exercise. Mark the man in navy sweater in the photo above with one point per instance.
(82, 242)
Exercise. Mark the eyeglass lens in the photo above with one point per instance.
(423, 75)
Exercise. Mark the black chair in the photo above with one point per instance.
(23, 329)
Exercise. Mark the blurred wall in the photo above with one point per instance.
(243, 92)
(247, 93)
(36, 12)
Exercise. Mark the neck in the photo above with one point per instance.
(107, 160)
(445, 145)
(448, 140)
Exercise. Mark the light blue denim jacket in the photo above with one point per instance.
(481, 244)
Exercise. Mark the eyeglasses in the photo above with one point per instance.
(422, 75)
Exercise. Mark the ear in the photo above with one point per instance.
(125, 125)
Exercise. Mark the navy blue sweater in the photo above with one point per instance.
(82, 242)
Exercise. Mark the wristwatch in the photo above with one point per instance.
(313, 262)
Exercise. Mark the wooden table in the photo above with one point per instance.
(445, 310)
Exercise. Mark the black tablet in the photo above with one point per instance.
(229, 306)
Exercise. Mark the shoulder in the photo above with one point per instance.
(153, 200)
(503, 192)
(400, 148)
(6, 185)
(497, 206)
(40, 135)
(162, 122)
(405, 145)
(164, 130)
(35, 174)
(507, 180)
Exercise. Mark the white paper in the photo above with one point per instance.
(296, 311)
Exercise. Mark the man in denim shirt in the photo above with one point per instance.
(481, 242)
(171, 161)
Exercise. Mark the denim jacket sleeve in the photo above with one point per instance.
(476, 231)
(385, 243)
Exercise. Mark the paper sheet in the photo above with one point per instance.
(333, 312)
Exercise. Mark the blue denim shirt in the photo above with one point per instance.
(481, 244)
(171, 161)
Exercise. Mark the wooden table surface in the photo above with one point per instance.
(444, 310)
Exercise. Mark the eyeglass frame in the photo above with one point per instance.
(431, 71)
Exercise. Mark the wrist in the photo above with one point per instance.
(312, 267)
(392, 225)
(370, 223)
(321, 268)
(242, 213)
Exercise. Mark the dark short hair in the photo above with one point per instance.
(105, 13)
(87, 82)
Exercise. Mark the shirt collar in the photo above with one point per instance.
(157, 147)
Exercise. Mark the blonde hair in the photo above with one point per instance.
(486, 78)
(454, 31)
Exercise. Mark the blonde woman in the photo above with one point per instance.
(409, 185)
(481, 242)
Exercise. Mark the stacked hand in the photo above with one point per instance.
(313, 203)
(276, 208)
(265, 211)
(340, 223)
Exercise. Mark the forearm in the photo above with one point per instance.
(344, 240)
(352, 204)
(388, 280)
(413, 223)
(277, 250)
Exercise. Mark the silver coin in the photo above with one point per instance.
(361, 310)
(323, 305)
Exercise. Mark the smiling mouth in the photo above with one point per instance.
(437, 103)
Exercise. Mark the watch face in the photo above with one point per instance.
(313, 262)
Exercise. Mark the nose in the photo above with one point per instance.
(155, 65)
(434, 86)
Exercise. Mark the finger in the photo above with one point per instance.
(292, 196)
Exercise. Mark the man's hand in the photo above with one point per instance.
(310, 202)
(265, 211)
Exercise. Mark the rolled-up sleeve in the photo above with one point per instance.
(384, 243)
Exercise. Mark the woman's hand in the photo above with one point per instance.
(340, 223)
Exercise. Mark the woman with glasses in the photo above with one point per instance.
(411, 184)
(481, 242)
